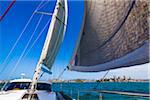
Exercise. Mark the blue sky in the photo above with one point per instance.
(12, 26)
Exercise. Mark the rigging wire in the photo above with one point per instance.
(43, 5)
(22, 55)
(102, 79)
(13, 47)
(65, 57)
(27, 43)
(32, 45)
(62, 73)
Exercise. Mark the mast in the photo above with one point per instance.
(45, 49)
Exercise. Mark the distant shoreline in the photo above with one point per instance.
(115, 79)
(97, 81)
(104, 82)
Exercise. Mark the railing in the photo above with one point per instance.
(99, 94)
(133, 94)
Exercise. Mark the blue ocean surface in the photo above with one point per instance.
(79, 91)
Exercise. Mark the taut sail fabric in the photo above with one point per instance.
(115, 35)
(55, 34)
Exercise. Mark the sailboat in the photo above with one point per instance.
(27, 89)
(114, 34)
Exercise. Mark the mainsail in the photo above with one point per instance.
(115, 35)
(53, 40)
(55, 34)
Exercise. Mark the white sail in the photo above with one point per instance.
(55, 34)
(53, 41)
(115, 35)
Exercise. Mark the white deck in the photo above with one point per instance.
(18, 94)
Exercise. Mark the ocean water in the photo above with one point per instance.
(77, 90)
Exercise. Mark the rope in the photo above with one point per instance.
(6, 11)
(13, 47)
(102, 79)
